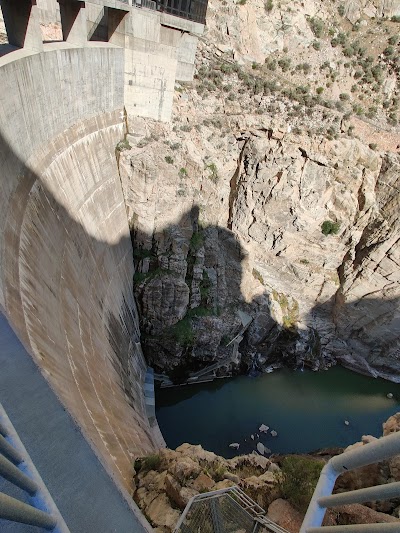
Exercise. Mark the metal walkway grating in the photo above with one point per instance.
(224, 511)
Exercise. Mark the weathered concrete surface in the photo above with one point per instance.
(65, 252)
(159, 49)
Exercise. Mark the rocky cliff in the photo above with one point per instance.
(283, 485)
(275, 191)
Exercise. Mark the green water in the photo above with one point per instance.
(307, 409)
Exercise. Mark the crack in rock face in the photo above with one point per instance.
(314, 298)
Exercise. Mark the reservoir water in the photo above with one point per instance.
(307, 409)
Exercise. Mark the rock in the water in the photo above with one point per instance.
(274, 433)
(252, 437)
(234, 445)
(389, 395)
(263, 428)
(346, 423)
(261, 448)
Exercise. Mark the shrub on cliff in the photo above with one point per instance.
(330, 228)
(150, 462)
(298, 479)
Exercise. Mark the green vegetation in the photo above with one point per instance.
(330, 228)
(317, 26)
(257, 276)
(182, 331)
(169, 159)
(388, 51)
(150, 462)
(290, 310)
(213, 172)
(123, 145)
(205, 286)
(138, 277)
(183, 173)
(298, 480)
(141, 253)
(196, 241)
(269, 6)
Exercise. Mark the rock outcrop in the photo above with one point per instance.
(166, 482)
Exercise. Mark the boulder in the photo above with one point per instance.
(232, 477)
(160, 512)
(391, 425)
(224, 484)
(178, 494)
(203, 483)
(154, 481)
(197, 452)
(273, 467)
(184, 469)
(284, 514)
(361, 514)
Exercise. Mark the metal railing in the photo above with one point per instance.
(224, 510)
(16, 467)
(194, 10)
(373, 452)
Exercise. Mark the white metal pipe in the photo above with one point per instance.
(315, 512)
(380, 492)
(373, 452)
(358, 528)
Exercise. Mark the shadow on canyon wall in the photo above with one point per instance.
(188, 288)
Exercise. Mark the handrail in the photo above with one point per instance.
(373, 452)
(17, 467)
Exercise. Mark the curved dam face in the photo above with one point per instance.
(65, 251)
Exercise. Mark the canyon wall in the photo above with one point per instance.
(280, 194)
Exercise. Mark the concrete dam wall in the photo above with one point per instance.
(65, 250)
